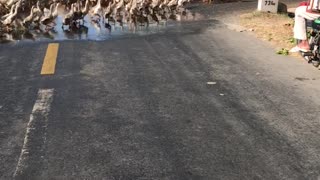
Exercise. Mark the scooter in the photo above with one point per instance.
(313, 56)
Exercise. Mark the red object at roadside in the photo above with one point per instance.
(304, 3)
(313, 6)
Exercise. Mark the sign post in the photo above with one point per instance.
(268, 5)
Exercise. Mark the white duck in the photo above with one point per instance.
(120, 4)
(155, 3)
(28, 20)
(173, 3)
(85, 10)
(133, 7)
(11, 12)
(38, 13)
(163, 4)
(182, 2)
(55, 13)
(96, 10)
(8, 21)
(68, 18)
(11, 2)
(48, 18)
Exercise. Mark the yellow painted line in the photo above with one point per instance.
(49, 62)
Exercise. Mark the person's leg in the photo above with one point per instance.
(300, 31)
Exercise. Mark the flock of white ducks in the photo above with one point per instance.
(42, 14)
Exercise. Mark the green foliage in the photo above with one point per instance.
(292, 40)
(283, 51)
(309, 34)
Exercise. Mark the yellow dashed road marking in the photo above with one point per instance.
(49, 62)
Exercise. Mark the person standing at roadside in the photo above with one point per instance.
(309, 11)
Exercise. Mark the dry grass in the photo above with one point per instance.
(274, 28)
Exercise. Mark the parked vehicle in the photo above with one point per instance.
(313, 56)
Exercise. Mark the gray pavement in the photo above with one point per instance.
(140, 107)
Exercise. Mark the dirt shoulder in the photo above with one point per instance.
(242, 16)
(276, 29)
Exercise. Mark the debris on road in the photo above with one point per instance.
(211, 83)
(283, 51)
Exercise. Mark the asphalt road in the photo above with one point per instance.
(197, 101)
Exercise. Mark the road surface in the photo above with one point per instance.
(197, 101)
